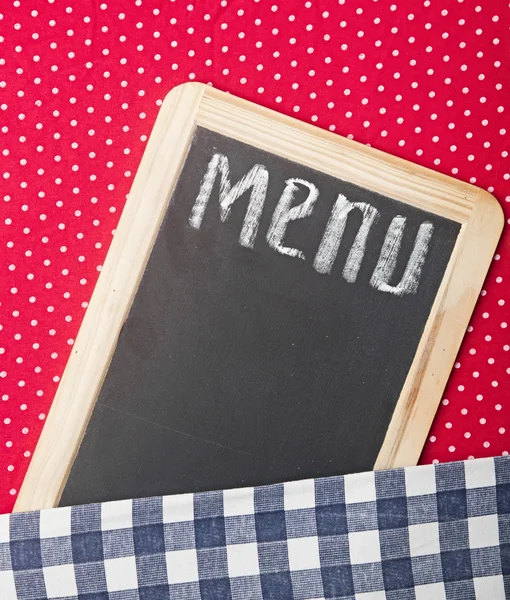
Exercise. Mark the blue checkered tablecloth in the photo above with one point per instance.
(422, 533)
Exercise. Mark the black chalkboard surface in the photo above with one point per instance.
(278, 302)
(262, 348)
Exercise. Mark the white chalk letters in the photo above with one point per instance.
(257, 179)
(328, 248)
(283, 213)
(388, 258)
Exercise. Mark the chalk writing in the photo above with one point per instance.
(388, 258)
(328, 248)
(257, 179)
(284, 213)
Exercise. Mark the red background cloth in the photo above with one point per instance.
(80, 87)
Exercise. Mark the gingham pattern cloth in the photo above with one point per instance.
(422, 533)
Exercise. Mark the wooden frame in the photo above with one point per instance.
(194, 104)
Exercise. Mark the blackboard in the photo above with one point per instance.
(273, 331)
(242, 365)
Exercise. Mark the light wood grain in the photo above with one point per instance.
(445, 328)
(196, 104)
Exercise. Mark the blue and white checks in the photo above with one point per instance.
(422, 533)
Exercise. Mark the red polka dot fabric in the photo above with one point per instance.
(80, 87)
